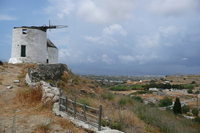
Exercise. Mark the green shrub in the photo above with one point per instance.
(119, 88)
(165, 102)
(195, 112)
(83, 101)
(197, 119)
(185, 109)
(76, 80)
(151, 104)
(61, 84)
(123, 101)
(193, 82)
(190, 91)
(141, 92)
(108, 95)
(137, 98)
(115, 124)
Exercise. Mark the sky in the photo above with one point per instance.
(113, 37)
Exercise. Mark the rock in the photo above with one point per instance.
(47, 100)
(83, 91)
(50, 95)
(1, 63)
(56, 99)
(9, 87)
(47, 72)
(28, 81)
(55, 91)
(91, 86)
(16, 81)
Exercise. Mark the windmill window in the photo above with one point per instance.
(24, 31)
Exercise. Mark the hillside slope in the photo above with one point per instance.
(22, 116)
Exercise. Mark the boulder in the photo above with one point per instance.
(9, 87)
(55, 99)
(83, 91)
(16, 81)
(50, 95)
(47, 72)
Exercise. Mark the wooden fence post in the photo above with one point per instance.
(85, 112)
(66, 103)
(99, 121)
(75, 107)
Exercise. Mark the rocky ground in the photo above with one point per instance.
(24, 118)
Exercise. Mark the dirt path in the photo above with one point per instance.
(26, 118)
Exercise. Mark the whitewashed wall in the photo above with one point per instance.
(36, 46)
(52, 55)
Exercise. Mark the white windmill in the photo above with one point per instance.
(30, 45)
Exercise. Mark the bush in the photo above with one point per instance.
(119, 88)
(193, 82)
(112, 124)
(197, 119)
(61, 84)
(195, 112)
(190, 91)
(185, 109)
(108, 95)
(124, 100)
(177, 107)
(165, 102)
(137, 98)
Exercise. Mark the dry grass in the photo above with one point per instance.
(29, 96)
(66, 125)
(44, 126)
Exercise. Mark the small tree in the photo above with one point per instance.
(195, 112)
(165, 102)
(177, 107)
(185, 109)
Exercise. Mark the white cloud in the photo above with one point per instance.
(144, 42)
(105, 11)
(184, 59)
(92, 39)
(172, 7)
(167, 31)
(6, 17)
(126, 58)
(142, 58)
(107, 35)
(114, 29)
(93, 58)
(107, 60)
(60, 8)
(70, 56)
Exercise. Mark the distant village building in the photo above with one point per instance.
(30, 45)
(153, 89)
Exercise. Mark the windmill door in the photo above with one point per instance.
(23, 51)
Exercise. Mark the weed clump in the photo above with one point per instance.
(108, 96)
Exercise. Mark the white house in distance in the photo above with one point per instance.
(30, 45)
